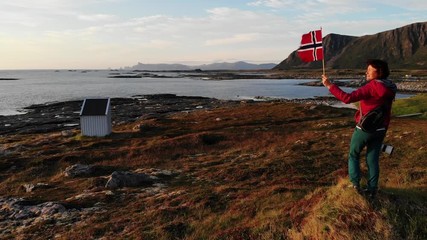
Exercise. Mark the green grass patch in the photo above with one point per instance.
(415, 104)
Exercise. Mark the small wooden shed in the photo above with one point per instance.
(95, 117)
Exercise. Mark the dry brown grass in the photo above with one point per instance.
(256, 171)
(340, 212)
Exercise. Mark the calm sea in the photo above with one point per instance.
(44, 86)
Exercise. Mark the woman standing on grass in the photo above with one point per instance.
(377, 92)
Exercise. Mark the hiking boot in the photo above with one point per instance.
(370, 193)
(357, 188)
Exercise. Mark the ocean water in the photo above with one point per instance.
(45, 86)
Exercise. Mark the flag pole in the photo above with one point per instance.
(323, 53)
(323, 63)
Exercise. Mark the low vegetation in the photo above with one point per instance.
(268, 170)
(414, 105)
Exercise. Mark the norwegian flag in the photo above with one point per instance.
(311, 46)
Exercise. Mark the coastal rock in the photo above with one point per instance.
(29, 187)
(4, 152)
(412, 86)
(9, 151)
(119, 179)
(91, 195)
(158, 173)
(143, 128)
(67, 133)
(18, 215)
(50, 208)
(15, 209)
(77, 170)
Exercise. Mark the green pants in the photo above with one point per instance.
(373, 142)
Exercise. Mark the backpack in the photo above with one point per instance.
(373, 120)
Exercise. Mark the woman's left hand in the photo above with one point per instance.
(326, 82)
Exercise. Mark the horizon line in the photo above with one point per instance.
(122, 67)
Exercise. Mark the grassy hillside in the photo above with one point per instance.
(256, 171)
(416, 104)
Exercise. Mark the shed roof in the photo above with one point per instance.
(95, 107)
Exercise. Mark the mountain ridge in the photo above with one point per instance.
(404, 47)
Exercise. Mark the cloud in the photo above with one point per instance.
(161, 44)
(332, 8)
(413, 5)
(41, 4)
(266, 30)
(50, 4)
(168, 38)
(358, 27)
(50, 14)
(221, 26)
(306, 7)
(274, 3)
(235, 39)
(97, 17)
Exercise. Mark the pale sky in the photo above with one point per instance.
(100, 34)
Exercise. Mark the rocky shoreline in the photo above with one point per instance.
(61, 116)
(65, 115)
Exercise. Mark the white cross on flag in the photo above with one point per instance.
(311, 46)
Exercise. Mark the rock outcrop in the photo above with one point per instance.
(77, 170)
(18, 215)
(120, 179)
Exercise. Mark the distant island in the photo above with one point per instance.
(240, 65)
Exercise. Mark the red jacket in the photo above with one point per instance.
(372, 95)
